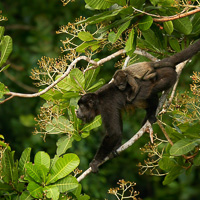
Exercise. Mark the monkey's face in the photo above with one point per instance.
(120, 79)
(88, 107)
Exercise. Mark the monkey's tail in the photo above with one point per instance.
(177, 58)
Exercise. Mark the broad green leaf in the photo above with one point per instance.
(137, 3)
(42, 158)
(101, 17)
(129, 43)
(196, 160)
(172, 175)
(5, 187)
(6, 49)
(90, 76)
(52, 192)
(195, 20)
(63, 167)
(70, 95)
(2, 30)
(25, 196)
(183, 146)
(81, 48)
(3, 90)
(121, 29)
(4, 68)
(35, 190)
(63, 144)
(32, 171)
(151, 39)
(174, 44)
(77, 193)
(7, 163)
(94, 124)
(100, 4)
(97, 85)
(65, 84)
(168, 26)
(67, 184)
(111, 37)
(183, 25)
(59, 125)
(166, 163)
(25, 157)
(145, 22)
(49, 95)
(85, 36)
(77, 79)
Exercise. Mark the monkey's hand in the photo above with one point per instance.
(94, 166)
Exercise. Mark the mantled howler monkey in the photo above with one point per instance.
(109, 100)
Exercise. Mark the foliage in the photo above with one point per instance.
(45, 178)
(118, 24)
(181, 152)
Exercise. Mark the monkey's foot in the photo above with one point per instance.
(149, 130)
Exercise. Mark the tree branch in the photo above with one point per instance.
(174, 17)
(169, 18)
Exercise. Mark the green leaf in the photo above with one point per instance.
(59, 125)
(33, 172)
(183, 25)
(35, 190)
(25, 157)
(97, 85)
(42, 158)
(167, 163)
(196, 160)
(145, 22)
(168, 26)
(85, 36)
(111, 37)
(3, 90)
(99, 4)
(90, 76)
(6, 49)
(101, 17)
(94, 124)
(66, 184)
(174, 44)
(195, 20)
(4, 68)
(5, 187)
(7, 163)
(129, 43)
(49, 95)
(63, 167)
(92, 44)
(52, 192)
(77, 79)
(183, 146)
(2, 30)
(63, 144)
(172, 175)
(25, 196)
(121, 29)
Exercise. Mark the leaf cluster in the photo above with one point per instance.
(45, 178)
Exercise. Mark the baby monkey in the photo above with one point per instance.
(129, 75)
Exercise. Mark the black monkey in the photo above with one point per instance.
(109, 100)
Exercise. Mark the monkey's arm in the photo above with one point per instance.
(112, 139)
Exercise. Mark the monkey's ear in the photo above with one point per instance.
(93, 102)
